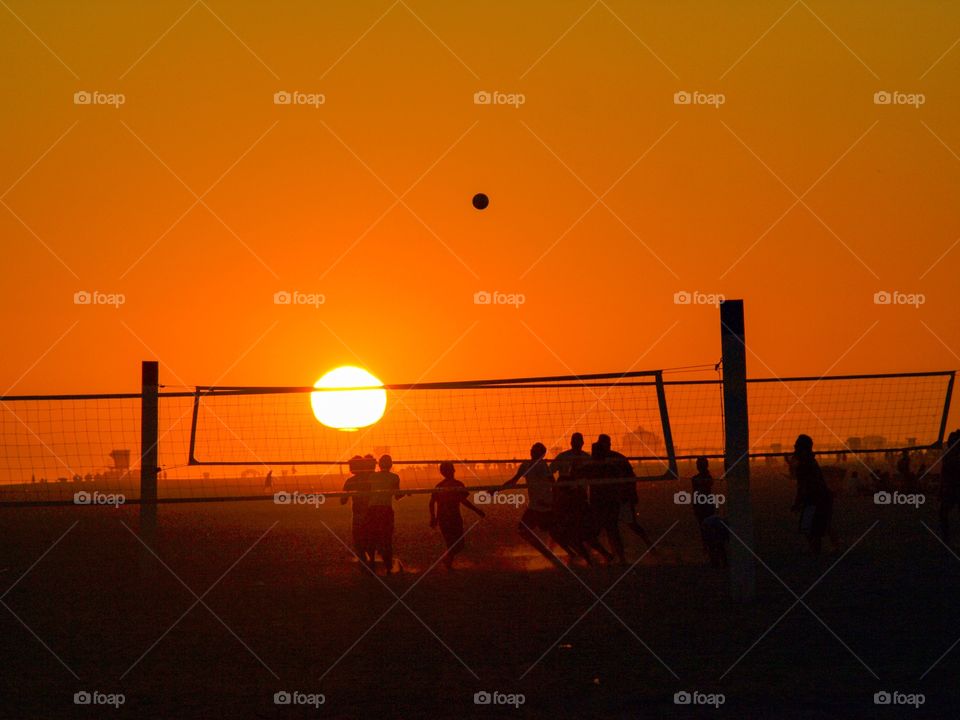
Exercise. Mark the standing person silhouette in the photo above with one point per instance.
(712, 530)
(359, 482)
(605, 497)
(539, 514)
(384, 487)
(949, 482)
(621, 468)
(445, 511)
(570, 506)
(814, 501)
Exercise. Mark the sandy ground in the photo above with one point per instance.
(284, 607)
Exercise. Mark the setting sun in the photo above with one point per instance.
(348, 409)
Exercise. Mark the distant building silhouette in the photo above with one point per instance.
(642, 442)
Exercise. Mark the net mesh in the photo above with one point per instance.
(468, 424)
(252, 442)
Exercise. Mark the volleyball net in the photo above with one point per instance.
(219, 443)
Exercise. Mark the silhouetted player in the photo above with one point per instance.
(361, 468)
(573, 522)
(445, 511)
(384, 486)
(621, 467)
(605, 497)
(712, 530)
(814, 500)
(539, 515)
(949, 482)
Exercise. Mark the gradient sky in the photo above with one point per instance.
(693, 198)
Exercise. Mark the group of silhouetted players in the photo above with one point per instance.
(581, 509)
(593, 492)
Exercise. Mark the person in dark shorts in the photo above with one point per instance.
(949, 483)
(445, 511)
(621, 467)
(814, 501)
(713, 532)
(539, 515)
(573, 524)
(605, 498)
(359, 481)
(384, 487)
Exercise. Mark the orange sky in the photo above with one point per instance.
(304, 198)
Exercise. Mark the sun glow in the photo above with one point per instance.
(349, 409)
